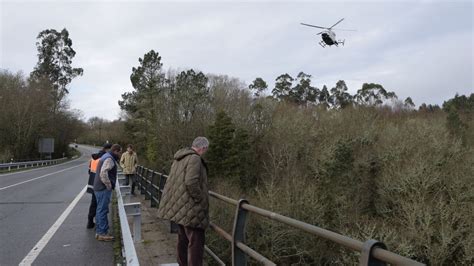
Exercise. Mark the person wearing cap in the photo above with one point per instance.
(104, 183)
(93, 163)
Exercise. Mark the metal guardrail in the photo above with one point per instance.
(23, 165)
(151, 184)
(125, 208)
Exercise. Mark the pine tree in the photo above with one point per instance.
(340, 98)
(241, 159)
(55, 56)
(221, 135)
(373, 94)
(259, 85)
(303, 93)
(282, 87)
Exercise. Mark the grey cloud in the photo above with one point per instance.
(418, 49)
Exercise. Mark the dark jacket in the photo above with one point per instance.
(185, 198)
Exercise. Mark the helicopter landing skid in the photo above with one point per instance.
(323, 44)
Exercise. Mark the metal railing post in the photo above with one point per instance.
(154, 180)
(238, 234)
(148, 184)
(161, 186)
(134, 209)
(366, 258)
(143, 181)
(139, 177)
(125, 192)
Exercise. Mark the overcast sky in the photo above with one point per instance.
(422, 49)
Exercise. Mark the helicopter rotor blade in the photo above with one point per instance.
(314, 26)
(336, 23)
(344, 30)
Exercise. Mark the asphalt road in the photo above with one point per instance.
(31, 206)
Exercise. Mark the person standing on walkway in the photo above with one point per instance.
(90, 184)
(104, 183)
(185, 201)
(129, 162)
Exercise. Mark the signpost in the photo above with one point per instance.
(46, 146)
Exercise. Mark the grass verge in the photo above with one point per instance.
(118, 258)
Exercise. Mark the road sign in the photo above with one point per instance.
(46, 145)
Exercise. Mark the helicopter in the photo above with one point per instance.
(328, 36)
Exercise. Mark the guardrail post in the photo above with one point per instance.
(238, 234)
(133, 209)
(125, 192)
(121, 180)
(366, 258)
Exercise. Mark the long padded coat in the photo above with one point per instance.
(185, 198)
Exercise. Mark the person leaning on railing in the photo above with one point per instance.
(104, 183)
(185, 201)
(93, 163)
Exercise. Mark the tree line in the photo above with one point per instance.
(35, 106)
(365, 165)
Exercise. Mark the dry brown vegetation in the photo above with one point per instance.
(400, 178)
(343, 162)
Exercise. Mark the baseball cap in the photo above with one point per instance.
(107, 146)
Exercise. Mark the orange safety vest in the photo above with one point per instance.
(94, 164)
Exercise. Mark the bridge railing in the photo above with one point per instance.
(22, 165)
(372, 252)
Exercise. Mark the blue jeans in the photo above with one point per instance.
(101, 219)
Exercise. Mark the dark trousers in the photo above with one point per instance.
(130, 178)
(92, 208)
(190, 245)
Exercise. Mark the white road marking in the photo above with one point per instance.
(33, 254)
(39, 177)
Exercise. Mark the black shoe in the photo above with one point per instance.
(90, 225)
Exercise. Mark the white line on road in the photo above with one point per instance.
(33, 254)
(82, 165)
